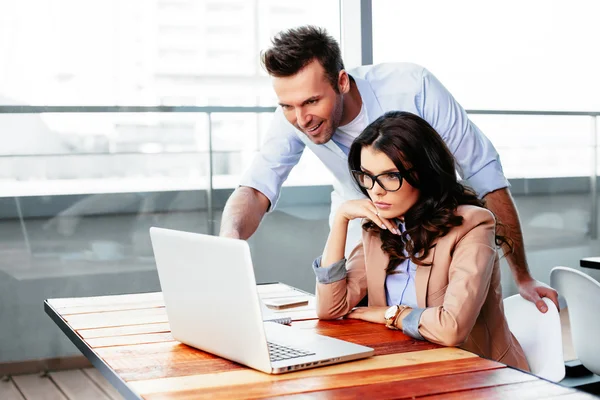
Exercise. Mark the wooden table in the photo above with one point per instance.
(128, 339)
(590, 262)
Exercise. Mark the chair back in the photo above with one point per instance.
(582, 293)
(539, 334)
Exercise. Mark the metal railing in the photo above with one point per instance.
(210, 110)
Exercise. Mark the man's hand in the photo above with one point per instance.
(500, 202)
(534, 290)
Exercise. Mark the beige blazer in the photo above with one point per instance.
(460, 291)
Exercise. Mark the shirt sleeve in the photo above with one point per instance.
(280, 152)
(341, 286)
(478, 160)
(333, 273)
(410, 323)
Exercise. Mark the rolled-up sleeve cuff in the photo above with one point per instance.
(410, 323)
(269, 184)
(487, 179)
(335, 272)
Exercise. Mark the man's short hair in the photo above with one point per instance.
(295, 48)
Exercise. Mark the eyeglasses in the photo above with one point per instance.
(389, 181)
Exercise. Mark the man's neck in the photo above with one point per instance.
(352, 104)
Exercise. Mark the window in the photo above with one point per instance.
(534, 55)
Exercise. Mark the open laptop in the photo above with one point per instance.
(212, 304)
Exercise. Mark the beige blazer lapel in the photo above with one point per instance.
(377, 262)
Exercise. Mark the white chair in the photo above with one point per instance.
(539, 334)
(582, 294)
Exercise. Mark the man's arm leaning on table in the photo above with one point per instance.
(243, 212)
(500, 202)
(480, 165)
(260, 186)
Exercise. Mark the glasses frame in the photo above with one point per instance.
(375, 178)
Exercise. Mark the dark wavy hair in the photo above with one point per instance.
(295, 48)
(425, 162)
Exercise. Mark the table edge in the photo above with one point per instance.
(96, 361)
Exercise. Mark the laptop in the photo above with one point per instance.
(212, 304)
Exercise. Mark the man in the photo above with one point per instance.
(324, 108)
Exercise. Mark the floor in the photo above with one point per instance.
(61, 385)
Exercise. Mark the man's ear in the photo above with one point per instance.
(343, 82)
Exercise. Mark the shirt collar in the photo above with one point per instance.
(369, 100)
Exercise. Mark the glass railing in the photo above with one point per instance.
(135, 149)
(80, 186)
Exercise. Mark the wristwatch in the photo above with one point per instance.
(391, 314)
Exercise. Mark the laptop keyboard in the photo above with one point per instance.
(278, 352)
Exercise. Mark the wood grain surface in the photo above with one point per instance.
(130, 333)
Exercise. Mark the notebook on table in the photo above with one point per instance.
(269, 292)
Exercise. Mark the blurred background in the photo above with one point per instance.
(116, 116)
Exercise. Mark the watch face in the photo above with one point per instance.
(390, 312)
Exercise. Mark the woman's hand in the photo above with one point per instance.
(364, 208)
(369, 314)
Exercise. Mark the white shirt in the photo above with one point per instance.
(382, 87)
(346, 134)
(400, 286)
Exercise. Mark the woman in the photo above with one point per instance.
(428, 257)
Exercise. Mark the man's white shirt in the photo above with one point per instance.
(383, 87)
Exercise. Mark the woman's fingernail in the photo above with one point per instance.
(383, 227)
